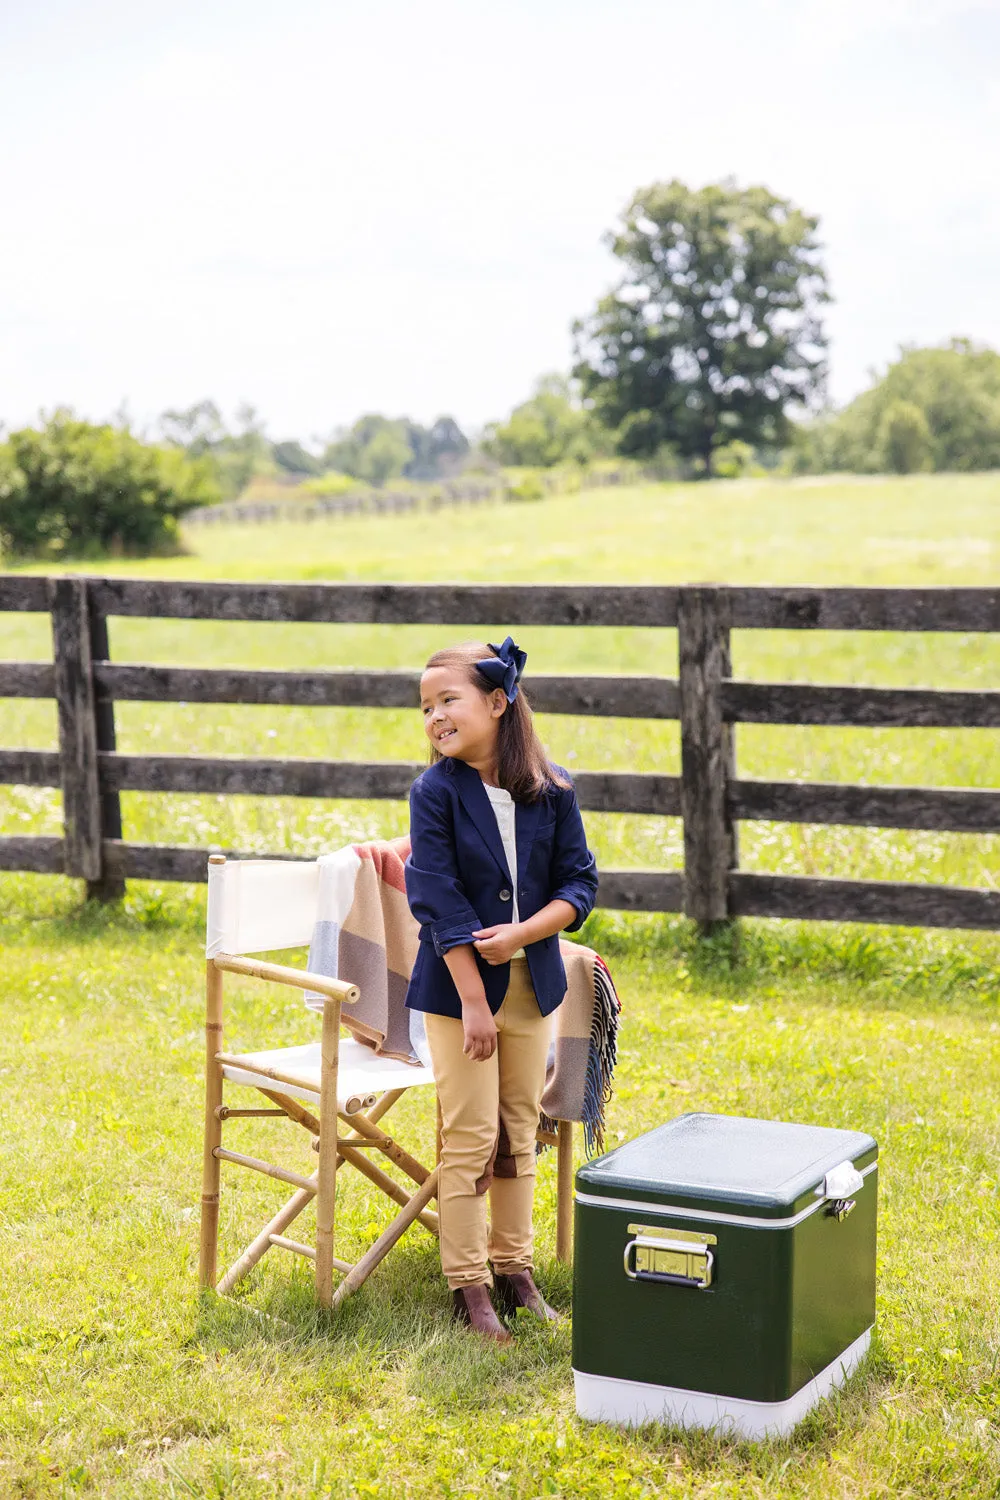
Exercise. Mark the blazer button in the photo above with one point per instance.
(505, 894)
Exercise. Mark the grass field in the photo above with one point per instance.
(114, 1379)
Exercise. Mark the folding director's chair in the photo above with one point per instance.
(336, 1088)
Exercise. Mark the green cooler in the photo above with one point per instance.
(724, 1273)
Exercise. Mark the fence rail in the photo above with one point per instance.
(432, 495)
(708, 795)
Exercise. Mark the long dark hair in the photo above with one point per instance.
(523, 768)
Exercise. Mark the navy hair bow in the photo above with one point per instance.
(504, 670)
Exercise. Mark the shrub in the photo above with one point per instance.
(73, 489)
(904, 439)
(734, 460)
(527, 484)
(329, 484)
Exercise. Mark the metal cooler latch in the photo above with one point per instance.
(837, 1185)
(678, 1257)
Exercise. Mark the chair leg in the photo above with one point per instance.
(210, 1176)
(386, 1240)
(259, 1247)
(326, 1186)
(388, 1185)
(564, 1191)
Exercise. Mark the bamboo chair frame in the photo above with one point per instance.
(335, 1147)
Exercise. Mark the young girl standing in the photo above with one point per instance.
(499, 866)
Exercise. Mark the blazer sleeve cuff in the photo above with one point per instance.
(580, 897)
(453, 931)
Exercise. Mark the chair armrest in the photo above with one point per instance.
(301, 979)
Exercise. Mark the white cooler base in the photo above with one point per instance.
(604, 1398)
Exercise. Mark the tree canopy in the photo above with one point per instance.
(292, 458)
(713, 328)
(377, 449)
(437, 450)
(374, 450)
(550, 428)
(235, 456)
(74, 489)
(933, 408)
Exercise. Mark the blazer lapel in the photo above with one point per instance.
(477, 804)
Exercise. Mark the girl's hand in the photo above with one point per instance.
(480, 1030)
(498, 944)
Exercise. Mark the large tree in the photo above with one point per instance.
(714, 328)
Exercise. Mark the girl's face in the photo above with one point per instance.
(460, 721)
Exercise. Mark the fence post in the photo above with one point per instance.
(707, 754)
(74, 684)
(110, 886)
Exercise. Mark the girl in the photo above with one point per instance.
(499, 866)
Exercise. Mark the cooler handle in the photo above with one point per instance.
(670, 1257)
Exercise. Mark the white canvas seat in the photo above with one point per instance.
(361, 1077)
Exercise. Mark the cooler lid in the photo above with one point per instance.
(761, 1168)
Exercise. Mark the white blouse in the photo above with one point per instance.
(503, 808)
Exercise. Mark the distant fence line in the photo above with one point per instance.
(708, 795)
(437, 494)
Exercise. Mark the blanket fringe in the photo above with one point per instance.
(602, 1054)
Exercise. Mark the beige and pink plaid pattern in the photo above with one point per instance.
(376, 949)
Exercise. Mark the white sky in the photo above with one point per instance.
(328, 208)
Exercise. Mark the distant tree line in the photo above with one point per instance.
(375, 450)
(706, 357)
(932, 410)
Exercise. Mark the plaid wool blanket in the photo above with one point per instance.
(366, 933)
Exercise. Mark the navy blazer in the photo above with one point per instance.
(457, 881)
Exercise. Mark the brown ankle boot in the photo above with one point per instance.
(472, 1305)
(519, 1290)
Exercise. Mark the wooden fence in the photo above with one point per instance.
(430, 496)
(708, 795)
(373, 502)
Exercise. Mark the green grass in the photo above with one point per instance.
(115, 1379)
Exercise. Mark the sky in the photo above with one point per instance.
(323, 208)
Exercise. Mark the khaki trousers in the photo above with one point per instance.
(476, 1098)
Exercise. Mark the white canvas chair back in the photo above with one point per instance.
(256, 905)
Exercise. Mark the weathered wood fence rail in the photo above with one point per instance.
(708, 795)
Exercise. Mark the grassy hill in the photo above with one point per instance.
(115, 1380)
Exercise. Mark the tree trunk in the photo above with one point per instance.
(708, 449)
